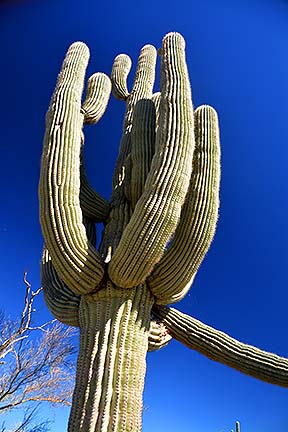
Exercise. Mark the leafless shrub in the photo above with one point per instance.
(36, 363)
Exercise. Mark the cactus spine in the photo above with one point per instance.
(158, 226)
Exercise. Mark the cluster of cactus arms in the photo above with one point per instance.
(158, 226)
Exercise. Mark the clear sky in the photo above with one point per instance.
(238, 62)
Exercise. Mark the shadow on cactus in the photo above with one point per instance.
(165, 191)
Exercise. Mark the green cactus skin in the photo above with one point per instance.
(218, 346)
(158, 336)
(60, 300)
(74, 258)
(158, 226)
(172, 277)
(114, 325)
(157, 212)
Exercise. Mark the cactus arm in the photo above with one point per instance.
(60, 300)
(97, 95)
(120, 71)
(173, 275)
(120, 202)
(76, 261)
(222, 348)
(159, 336)
(145, 125)
(142, 86)
(157, 212)
(142, 146)
(142, 89)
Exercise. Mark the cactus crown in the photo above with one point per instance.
(163, 190)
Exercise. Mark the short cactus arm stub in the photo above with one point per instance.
(159, 336)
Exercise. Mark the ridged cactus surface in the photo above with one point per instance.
(158, 226)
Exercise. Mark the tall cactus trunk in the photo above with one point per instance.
(111, 365)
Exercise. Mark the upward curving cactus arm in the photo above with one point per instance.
(142, 89)
(120, 71)
(220, 347)
(142, 146)
(157, 211)
(98, 91)
(120, 203)
(173, 275)
(97, 97)
(76, 261)
(142, 86)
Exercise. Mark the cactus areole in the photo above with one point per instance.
(158, 226)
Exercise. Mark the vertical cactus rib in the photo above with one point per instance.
(222, 348)
(173, 275)
(114, 336)
(157, 211)
(142, 146)
(156, 98)
(76, 261)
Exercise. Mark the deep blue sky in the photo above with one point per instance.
(238, 62)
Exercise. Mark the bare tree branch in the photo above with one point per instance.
(15, 332)
(37, 363)
(26, 425)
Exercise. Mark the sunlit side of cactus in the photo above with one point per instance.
(158, 226)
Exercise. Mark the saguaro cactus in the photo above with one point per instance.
(158, 226)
